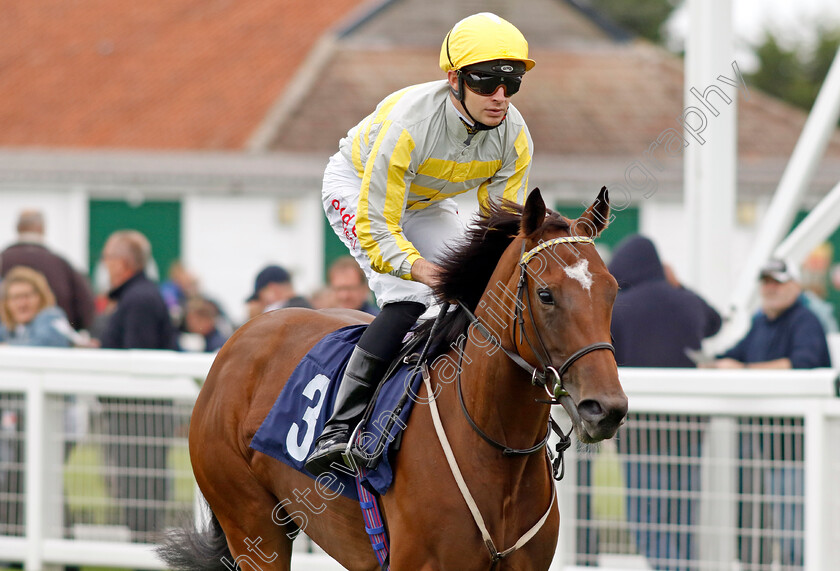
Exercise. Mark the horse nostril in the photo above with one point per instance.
(591, 410)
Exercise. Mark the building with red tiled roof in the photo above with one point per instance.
(124, 114)
(181, 74)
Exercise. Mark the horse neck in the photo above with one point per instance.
(497, 392)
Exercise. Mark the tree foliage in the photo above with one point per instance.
(795, 74)
(642, 17)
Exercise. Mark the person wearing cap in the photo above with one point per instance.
(273, 290)
(388, 191)
(785, 333)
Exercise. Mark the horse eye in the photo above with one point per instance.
(545, 296)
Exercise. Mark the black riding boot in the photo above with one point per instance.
(362, 376)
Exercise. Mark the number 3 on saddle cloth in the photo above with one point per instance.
(305, 403)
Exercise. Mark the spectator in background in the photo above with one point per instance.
(323, 298)
(347, 280)
(655, 321)
(180, 286)
(201, 331)
(814, 281)
(785, 333)
(814, 297)
(140, 319)
(253, 308)
(28, 314)
(71, 289)
(273, 290)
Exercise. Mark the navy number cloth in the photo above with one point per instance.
(306, 402)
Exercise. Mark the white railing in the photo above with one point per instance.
(716, 409)
(705, 420)
(39, 375)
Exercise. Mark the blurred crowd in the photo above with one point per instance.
(46, 302)
(657, 322)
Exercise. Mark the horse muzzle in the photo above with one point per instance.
(596, 419)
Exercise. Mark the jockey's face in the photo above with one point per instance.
(488, 109)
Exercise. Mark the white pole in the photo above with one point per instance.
(821, 124)
(709, 118)
(817, 445)
(35, 439)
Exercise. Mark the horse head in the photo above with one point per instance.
(566, 296)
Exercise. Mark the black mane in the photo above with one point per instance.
(468, 265)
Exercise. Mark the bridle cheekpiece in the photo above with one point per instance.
(549, 375)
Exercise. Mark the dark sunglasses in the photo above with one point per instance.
(484, 83)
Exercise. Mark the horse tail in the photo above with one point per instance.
(190, 549)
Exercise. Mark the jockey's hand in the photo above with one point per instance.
(425, 272)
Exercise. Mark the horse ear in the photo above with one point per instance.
(592, 222)
(533, 213)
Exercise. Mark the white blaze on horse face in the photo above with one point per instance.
(580, 272)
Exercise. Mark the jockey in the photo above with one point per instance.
(388, 192)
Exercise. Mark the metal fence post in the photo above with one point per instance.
(34, 474)
(817, 554)
(718, 509)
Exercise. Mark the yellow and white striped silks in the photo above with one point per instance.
(413, 151)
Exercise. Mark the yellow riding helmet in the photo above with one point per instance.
(483, 37)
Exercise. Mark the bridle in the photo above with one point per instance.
(542, 377)
(547, 375)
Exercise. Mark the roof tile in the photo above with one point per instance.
(181, 74)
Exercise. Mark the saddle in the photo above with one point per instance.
(301, 410)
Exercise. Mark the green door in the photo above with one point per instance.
(159, 221)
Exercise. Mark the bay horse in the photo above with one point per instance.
(526, 277)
